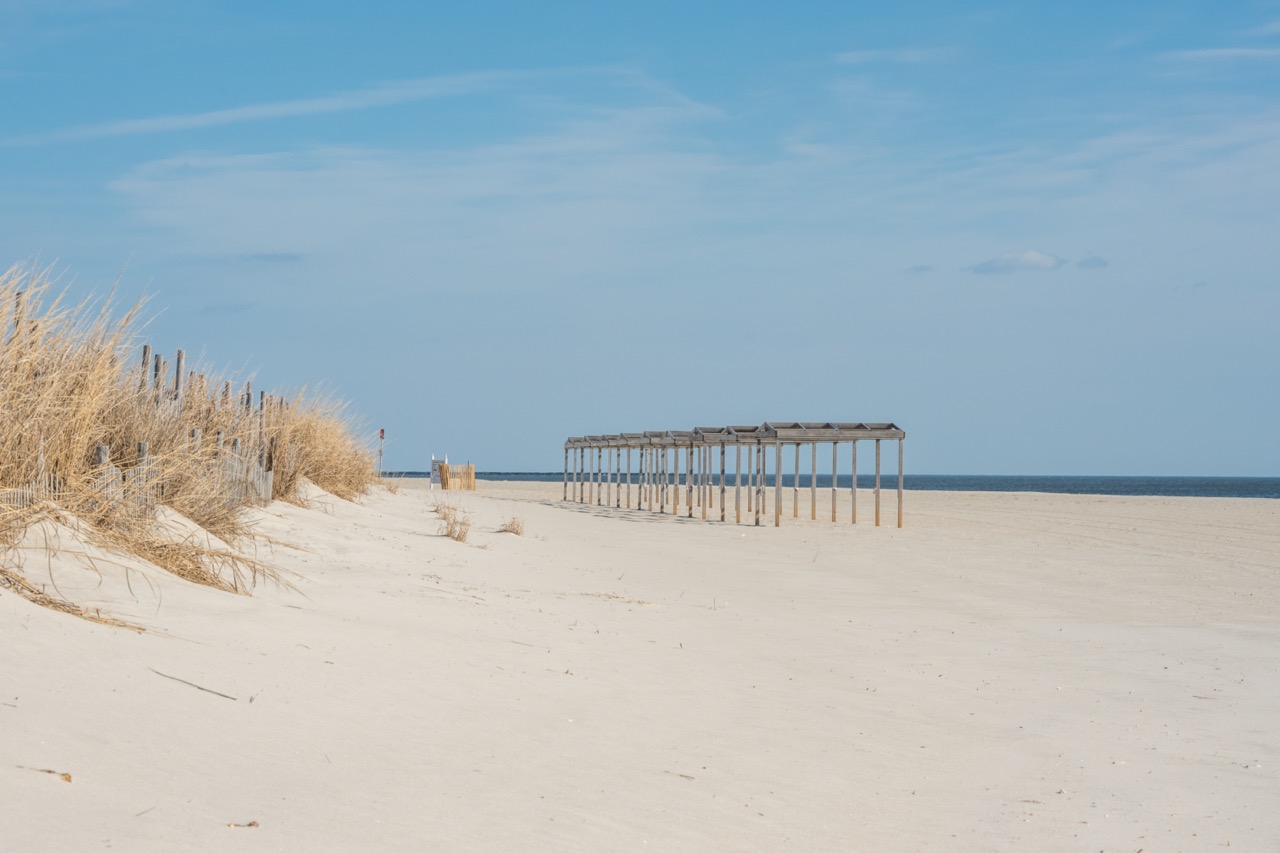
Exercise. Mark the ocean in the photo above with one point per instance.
(1211, 487)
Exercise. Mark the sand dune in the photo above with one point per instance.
(1008, 672)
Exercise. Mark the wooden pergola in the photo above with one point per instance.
(594, 470)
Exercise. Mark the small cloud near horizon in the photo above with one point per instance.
(272, 257)
(1031, 259)
(1216, 54)
(905, 55)
(1093, 262)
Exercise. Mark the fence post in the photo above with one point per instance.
(179, 366)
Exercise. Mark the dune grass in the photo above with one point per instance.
(71, 380)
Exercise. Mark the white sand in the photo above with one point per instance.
(1009, 672)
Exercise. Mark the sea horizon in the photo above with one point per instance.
(1164, 486)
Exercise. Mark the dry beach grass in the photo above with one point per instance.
(69, 383)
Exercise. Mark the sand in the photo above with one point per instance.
(1008, 672)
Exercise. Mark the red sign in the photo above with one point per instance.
(382, 433)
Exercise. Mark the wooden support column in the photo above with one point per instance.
(737, 484)
(599, 472)
(566, 474)
(628, 478)
(662, 479)
(900, 482)
(877, 482)
(704, 454)
(813, 481)
(853, 489)
(723, 450)
(795, 485)
(757, 477)
(688, 477)
(617, 479)
(777, 484)
(675, 481)
(834, 469)
(643, 484)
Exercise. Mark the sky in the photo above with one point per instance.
(1041, 238)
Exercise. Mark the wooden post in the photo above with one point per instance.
(853, 488)
(777, 484)
(103, 456)
(756, 487)
(565, 496)
(661, 493)
(834, 468)
(723, 449)
(795, 485)
(675, 481)
(877, 482)
(261, 449)
(617, 479)
(157, 375)
(813, 481)
(179, 374)
(752, 465)
(197, 436)
(599, 473)
(900, 482)
(689, 477)
(142, 471)
(628, 478)
(737, 483)
(704, 455)
(18, 299)
(146, 366)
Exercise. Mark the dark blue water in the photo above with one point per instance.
(1213, 487)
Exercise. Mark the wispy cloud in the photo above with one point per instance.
(272, 257)
(1031, 259)
(388, 94)
(1224, 54)
(896, 55)
(1271, 28)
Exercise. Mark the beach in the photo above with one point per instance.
(1008, 671)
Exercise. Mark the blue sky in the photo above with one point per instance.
(1040, 237)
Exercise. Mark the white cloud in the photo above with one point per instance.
(1031, 259)
(899, 55)
(1218, 54)
(388, 94)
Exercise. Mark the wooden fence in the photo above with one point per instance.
(245, 471)
(462, 477)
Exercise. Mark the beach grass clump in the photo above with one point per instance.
(512, 525)
(316, 441)
(454, 523)
(90, 430)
